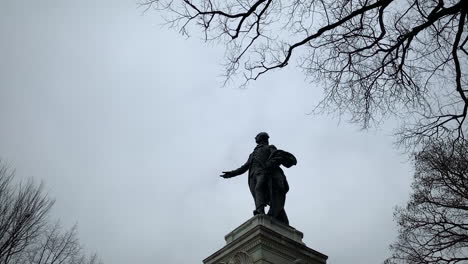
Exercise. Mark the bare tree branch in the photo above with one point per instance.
(375, 58)
(433, 227)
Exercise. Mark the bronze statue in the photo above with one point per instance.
(267, 181)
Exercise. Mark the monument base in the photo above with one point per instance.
(263, 240)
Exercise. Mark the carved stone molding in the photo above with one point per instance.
(240, 258)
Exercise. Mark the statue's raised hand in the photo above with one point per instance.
(226, 174)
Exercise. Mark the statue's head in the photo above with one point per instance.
(262, 137)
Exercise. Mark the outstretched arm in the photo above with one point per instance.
(236, 172)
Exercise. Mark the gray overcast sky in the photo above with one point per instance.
(127, 125)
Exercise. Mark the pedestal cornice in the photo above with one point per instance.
(261, 239)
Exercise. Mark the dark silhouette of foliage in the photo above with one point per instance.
(26, 235)
(433, 227)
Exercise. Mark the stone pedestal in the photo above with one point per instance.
(262, 240)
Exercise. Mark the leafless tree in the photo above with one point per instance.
(54, 247)
(375, 58)
(23, 214)
(57, 247)
(433, 227)
(26, 235)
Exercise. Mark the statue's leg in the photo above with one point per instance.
(252, 184)
(260, 192)
(275, 203)
(282, 213)
(278, 199)
(283, 217)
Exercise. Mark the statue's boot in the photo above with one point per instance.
(259, 210)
